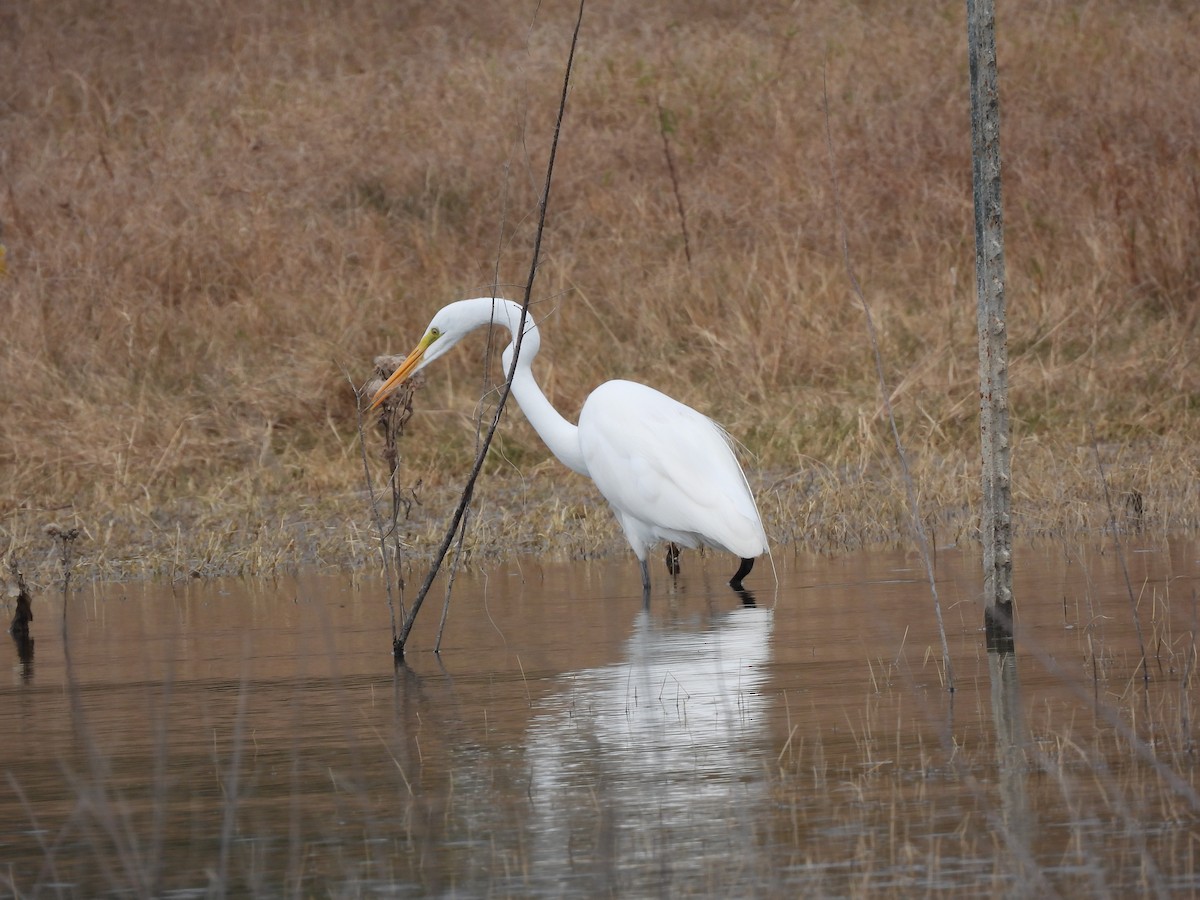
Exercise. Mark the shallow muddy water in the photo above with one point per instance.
(255, 738)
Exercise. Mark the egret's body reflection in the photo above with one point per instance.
(641, 764)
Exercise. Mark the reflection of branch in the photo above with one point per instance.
(469, 488)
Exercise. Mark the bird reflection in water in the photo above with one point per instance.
(643, 763)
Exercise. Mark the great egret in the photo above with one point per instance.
(668, 472)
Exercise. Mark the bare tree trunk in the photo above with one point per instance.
(996, 524)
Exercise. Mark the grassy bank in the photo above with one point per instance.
(215, 218)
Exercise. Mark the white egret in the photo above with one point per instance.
(668, 472)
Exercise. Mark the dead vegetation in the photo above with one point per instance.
(210, 218)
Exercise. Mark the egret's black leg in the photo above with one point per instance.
(743, 570)
(645, 580)
(672, 559)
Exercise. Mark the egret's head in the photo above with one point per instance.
(434, 343)
(446, 329)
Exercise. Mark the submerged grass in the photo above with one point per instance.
(1068, 780)
(210, 218)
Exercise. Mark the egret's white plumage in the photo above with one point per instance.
(668, 472)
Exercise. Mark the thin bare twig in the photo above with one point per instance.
(392, 425)
(1189, 665)
(65, 538)
(909, 488)
(487, 366)
(663, 128)
(469, 488)
(462, 531)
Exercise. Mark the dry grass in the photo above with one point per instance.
(212, 215)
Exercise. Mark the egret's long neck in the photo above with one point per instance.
(556, 432)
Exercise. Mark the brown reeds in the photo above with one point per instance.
(208, 218)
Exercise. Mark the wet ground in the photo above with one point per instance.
(255, 738)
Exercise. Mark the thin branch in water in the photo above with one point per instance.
(1189, 665)
(458, 549)
(374, 506)
(95, 810)
(909, 487)
(487, 367)
(65, 537)
(396, 411)
(469, 488)
(1116, 532)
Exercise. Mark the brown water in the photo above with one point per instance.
(255, 738)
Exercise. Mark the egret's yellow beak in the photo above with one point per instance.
(406, 368)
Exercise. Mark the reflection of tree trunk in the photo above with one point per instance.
(998, 625)
(1016, 821)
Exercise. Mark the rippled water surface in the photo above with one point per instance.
(255, 738)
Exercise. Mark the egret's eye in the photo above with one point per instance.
(435, 332)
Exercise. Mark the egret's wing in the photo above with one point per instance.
(669, 467)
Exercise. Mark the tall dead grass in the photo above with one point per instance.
(213, 211)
